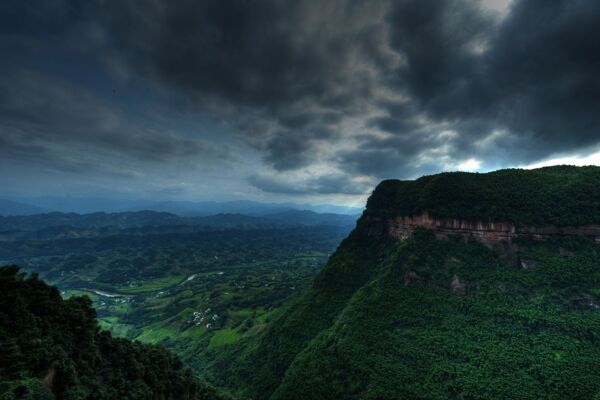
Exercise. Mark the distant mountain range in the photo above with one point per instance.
(71, 225)
(86, 205)
(246, 207)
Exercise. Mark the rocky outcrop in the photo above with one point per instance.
(488, 232)
(458, 286)
(412, 277)
(49, 378)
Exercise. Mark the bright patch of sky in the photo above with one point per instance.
(500, 6)
(471, 164)
(590, 159)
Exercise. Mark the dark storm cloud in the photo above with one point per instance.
(437, 40)
(41, 116)
(364, 89)
(536, 77)
(543, 69)
(533, 77)
(302, 66)
(265, 53)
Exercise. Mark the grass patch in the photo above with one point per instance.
(155, 334)
(223, 337)
(67, 294)
(113, 325)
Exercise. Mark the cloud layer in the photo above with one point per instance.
(303, 98)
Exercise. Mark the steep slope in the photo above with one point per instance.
(557, 196)
(437, 313)
(51, 348)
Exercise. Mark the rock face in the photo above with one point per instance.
(402, 227)
(458, 286)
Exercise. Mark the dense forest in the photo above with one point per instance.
(195, 293)
(421, 318)
(53, 349)
(561, 196)
(440, 319)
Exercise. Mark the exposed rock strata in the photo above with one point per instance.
(488, 232)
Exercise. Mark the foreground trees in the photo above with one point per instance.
(53, 348)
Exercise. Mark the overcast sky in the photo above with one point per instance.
(311, 101)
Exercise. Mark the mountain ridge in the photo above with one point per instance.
(148, 218)
(87, 205)
(488, 221)
(445, 316)
(559, 195)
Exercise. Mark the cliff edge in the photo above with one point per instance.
(493, 207)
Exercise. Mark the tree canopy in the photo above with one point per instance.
(52, 348)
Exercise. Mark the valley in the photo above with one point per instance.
(425, 297)
(300, 200)
(194, 292)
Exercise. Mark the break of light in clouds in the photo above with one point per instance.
(500, 6)
(590, 159)
(304, 100)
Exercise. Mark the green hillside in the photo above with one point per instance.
(561, 195)
(52, 348)
(444, 319)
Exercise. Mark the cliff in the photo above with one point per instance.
(561, 196)
(398, 313)
(488, 232)
(493, 208)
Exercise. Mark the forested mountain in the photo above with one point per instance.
(560, 196)
(92, 205)
(452, 286)
(23, 225)
(52, 348)
(246, 207)
(419, 312)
